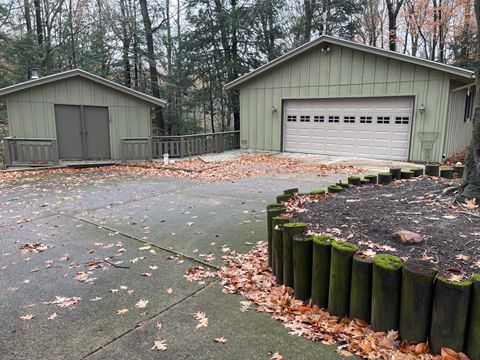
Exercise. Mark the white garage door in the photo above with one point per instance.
(377, 128)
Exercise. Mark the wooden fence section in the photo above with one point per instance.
(178, 146)
(25, 151)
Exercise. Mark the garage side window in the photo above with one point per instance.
(365, 119)
(304, 118)
(292, 118)
(383, 119)
(349, 119)
(333, 119)
(318, 118)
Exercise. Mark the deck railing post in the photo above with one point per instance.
(54, 145)
(182, 146)
(7, 156)
(149, 148)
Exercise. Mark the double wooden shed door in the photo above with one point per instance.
(82, 132)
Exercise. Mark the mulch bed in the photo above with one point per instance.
(368, 216)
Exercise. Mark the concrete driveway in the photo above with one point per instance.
(84, 218)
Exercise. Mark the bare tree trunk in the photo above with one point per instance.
(127, 77)
(28, 18)
(38, 20)
(308, 13)
(152, 63)
(393, 7)
(471, 185)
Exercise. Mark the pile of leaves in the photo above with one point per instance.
(243, 166)
(249, 276)
(458, 157)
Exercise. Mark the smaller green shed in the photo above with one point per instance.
(73, 115)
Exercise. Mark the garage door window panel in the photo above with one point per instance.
(291, 118)
(334, 119)
(383, 120)
(349, 119)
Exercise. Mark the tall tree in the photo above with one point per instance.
(471, 185)
(393, 7)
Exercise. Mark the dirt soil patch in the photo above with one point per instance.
(368, 216)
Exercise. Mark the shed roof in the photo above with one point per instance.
(459, 72)
(84, 74)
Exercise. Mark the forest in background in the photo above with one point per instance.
(184, 51)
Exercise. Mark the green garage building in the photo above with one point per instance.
(337, 97)
(73, 115)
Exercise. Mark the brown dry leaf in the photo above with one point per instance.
(220, 340)
(63, 301)
(27, 317)
(169, 290)
(470, 204)
(448, 354)
(159, 345)
(462, 257)
(122, 311)
(276, 356)
(147, 274)
(141, 304)
(53, 316)
(202, 319)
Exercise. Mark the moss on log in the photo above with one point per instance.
(364, 182)
(446, 173)
(361, 288)
(290, 191)
(372, 178)
(334, 189)
(432, 170)
(406, 174)
(416, 299)
(459, 170)
(417, 172)
(472, 346)
(396, 173)
(340, 277)
(322, 245)
(277, 243)
(283, 198)
(302, 266)
(272, 211)
(317, 192)
(449, 314)
(354, 180)
(385, 178)
(343, 185)
(289, 230)
(386, 286)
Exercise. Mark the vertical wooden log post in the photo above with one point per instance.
(406, 174)
(272, 211)
(371, 178)
(322, 245)
(449, 314)
(396, 173)
(416, 299)
(459, 170)
(283, 198)
(446, 173)
(302, 266)
(317, 192)
(340, 277)
(472, 346)
(289, 230)
(334, 188)
(384, 178)
(354, 180)
(290, 191)
(386, 287)
(417, 172)
(432, 170)
(277, 248)
(361, 288)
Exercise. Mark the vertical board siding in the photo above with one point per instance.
(31, 111)
(458, 132)
(343, 73)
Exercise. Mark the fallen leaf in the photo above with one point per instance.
(147, 274)
(462, 257)
(122, 311)
(220, 340)
(202, 319)
(159, 345)
(169, 290)
(276, 356)
(27, 317)
(470, 204)
(141, 304)
(53, 316)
